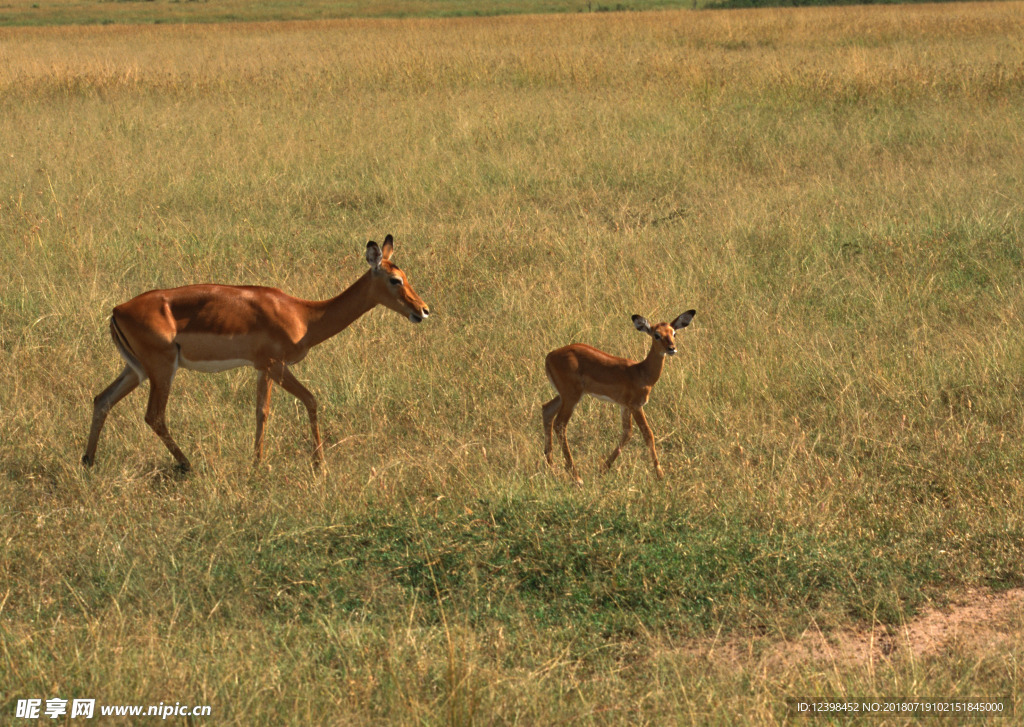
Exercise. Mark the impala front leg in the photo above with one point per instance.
(645, 429)
(289, 383)
(627, 430)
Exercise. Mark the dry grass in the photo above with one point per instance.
(836, 191)
(870, 50)
(95, 12)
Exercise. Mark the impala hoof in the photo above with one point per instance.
(86, 460)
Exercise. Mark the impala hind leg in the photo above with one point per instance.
(560, 425)
(627, 431)
(289, 383)
(264, 385)
(549, 410)
(645, 429)
(123, 385)
(159, 392)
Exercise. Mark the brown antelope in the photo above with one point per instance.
(579, 369)
(218, 327)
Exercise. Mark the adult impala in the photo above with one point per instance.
(580, 369)
(219, 327)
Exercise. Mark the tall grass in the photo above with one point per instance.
(837, 192)
(69, 12)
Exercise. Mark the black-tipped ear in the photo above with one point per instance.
(388, 248)
(373, 254)
(641, 324)
(684, 320)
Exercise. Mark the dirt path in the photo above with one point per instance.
(976, 620)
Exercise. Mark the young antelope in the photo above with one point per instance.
(580, 369)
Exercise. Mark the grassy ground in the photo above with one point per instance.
(103, 12)
(837, 192)
(88, 12)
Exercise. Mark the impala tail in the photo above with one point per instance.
(124, 348)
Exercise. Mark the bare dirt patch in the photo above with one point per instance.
(975, 621)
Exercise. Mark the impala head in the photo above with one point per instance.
(664, 334)
(390, 285)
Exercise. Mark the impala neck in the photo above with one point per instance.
(652, 365)
(332, 316)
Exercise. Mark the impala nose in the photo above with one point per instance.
(417, 316)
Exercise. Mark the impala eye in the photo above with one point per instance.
(396, 281)
(657, 336)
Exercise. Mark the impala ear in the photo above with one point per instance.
(684, 320)
(388, 248)
(373, 254)
(641, 324)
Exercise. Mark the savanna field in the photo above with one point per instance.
(836, 191)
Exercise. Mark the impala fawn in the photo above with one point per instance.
(579, 369)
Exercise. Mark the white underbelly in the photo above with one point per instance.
(604, 398)
(212, 367)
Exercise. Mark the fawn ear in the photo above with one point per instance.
(641, 324)
(684, 320)
(373, 254)
(388, 248)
